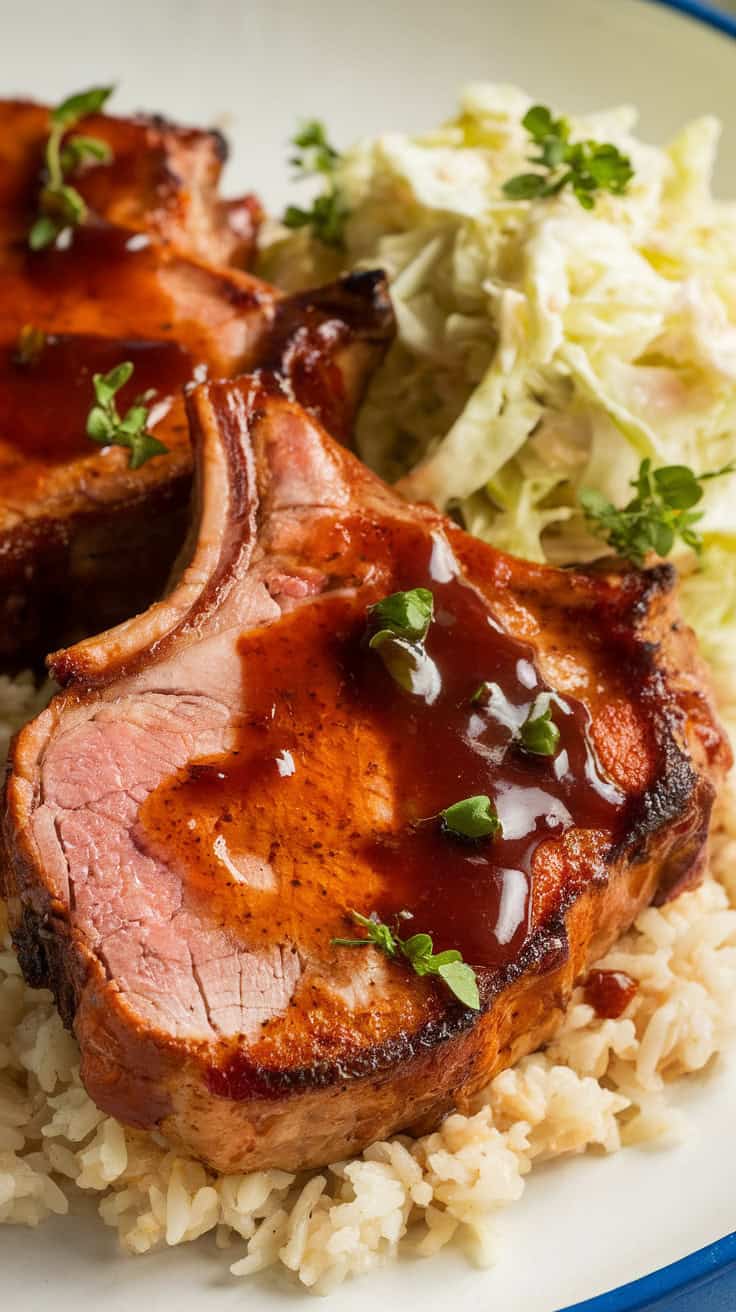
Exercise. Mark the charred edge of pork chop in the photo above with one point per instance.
(40, 952)
(695, 753)
(412, 1079)
(329, 341)
(180, 204)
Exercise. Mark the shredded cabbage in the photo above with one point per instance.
(708, 598)
(543, 348)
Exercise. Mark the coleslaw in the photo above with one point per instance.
(542, 347)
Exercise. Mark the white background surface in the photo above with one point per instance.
(362, 65)
(256, 68)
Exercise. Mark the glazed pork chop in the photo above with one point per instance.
(162, 179)
(190, 825)
(85, 540)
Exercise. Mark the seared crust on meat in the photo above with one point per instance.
(306, 1064)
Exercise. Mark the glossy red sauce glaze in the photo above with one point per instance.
(609, 992)
(112, 282)
(95, 301)
(45, 401)
(309, 360)
(98, 258)
(329, 799)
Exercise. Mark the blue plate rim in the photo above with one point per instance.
(687, 1274)
(703, 13)
(702, 1267)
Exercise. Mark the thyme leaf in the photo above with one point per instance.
(106, 426)
(418, 950)
(60, 205)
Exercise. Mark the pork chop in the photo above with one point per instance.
(140, 281)
(163, 179)
(189, 826)
(66, 505)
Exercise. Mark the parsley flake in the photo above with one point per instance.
(105, 425)
(482, 694)
(539, 733)
(402, 615)
(60, 206)
(418, 950)
(30, 346)
(659, 513)
(585, 166)
(315, 157)
(471, 818)
(398, 626)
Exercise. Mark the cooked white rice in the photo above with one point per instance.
(601, 1084)
(20, 699)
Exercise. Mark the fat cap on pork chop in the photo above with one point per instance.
(189, 824)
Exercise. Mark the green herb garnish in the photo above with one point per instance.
(314, 154)
(585, 166)
(661, 511)
(398, 626)
(411, 667)
(104, 424)
(539, 733)
(379, 935)
(459, 977)
(60, 206)
(316, 157)
(473, 817)
(405, 615)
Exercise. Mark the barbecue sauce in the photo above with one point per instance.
(329, 798)
(609, 992)
(45, 401)
(100, 278)
(121, 283)
(104, 295)
(100, 300)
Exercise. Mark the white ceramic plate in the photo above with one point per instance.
(587, 1225)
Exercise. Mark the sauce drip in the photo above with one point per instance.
(328, 798)
(44, 403)
(609, 992)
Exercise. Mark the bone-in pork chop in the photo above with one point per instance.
(190, 825)
(85, 541)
